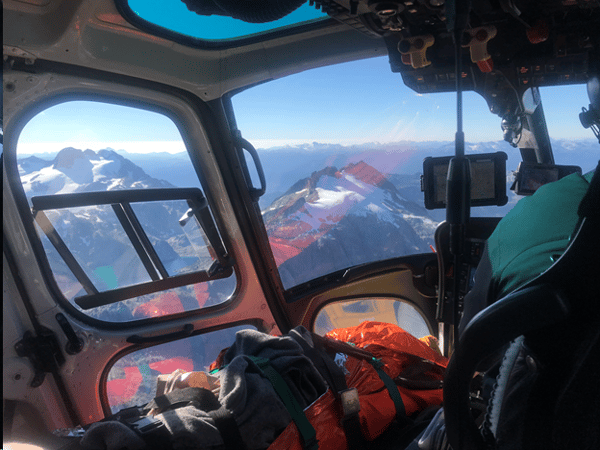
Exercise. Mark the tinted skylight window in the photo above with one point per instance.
(173, 16)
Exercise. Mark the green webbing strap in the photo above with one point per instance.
(306, 430)
(392, 389)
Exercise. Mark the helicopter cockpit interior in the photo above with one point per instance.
(171, 181)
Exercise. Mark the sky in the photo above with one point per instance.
(364, 102)
(369, 103)
(352, 103)
(95, 125)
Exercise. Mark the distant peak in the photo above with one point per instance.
(366, 173)
(316, 176)
(32, 158)
(360, 170)
(67, 157)
(108, 151)
(311, 182)
(68, 151)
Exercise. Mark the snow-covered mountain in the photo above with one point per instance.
(74, 170)
(289, 163)
(355, 212)
(340, 218)
(340, 210)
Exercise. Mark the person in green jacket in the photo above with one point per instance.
(534, 233)
(527, 241)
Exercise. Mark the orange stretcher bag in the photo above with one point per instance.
(381, 362)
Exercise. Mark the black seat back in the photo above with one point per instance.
(558, 315)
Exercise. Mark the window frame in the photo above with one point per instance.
(103, 383)
(148, 96)
(392, 298)
(120, 201)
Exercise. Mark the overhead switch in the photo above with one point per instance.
(415, 48)
(477, 40)
(539, 32)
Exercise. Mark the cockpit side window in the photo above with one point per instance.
(121, 214)
(132, 379)
(352, 312)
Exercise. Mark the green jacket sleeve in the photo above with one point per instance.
(534, 234)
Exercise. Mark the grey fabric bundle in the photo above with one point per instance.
(258, 410)
(111, 435)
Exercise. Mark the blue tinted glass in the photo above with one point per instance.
(174, 16)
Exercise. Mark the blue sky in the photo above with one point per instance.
(357, 102)
(369, 103)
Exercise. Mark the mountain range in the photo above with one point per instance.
(284, 165)
(74, 170)
(327, 207)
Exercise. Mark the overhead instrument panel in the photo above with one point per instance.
(508, 45)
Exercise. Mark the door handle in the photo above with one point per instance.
(255, 193)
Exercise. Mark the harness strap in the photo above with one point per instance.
(206, 401)
(351, 349)
(392, 390)
(228, 428)
(336, 380)
(306, 430)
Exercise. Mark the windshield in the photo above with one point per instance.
(342, 148)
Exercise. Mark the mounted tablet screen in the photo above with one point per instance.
(531, 176)
(488, 180)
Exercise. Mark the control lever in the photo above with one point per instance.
(458, 188)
